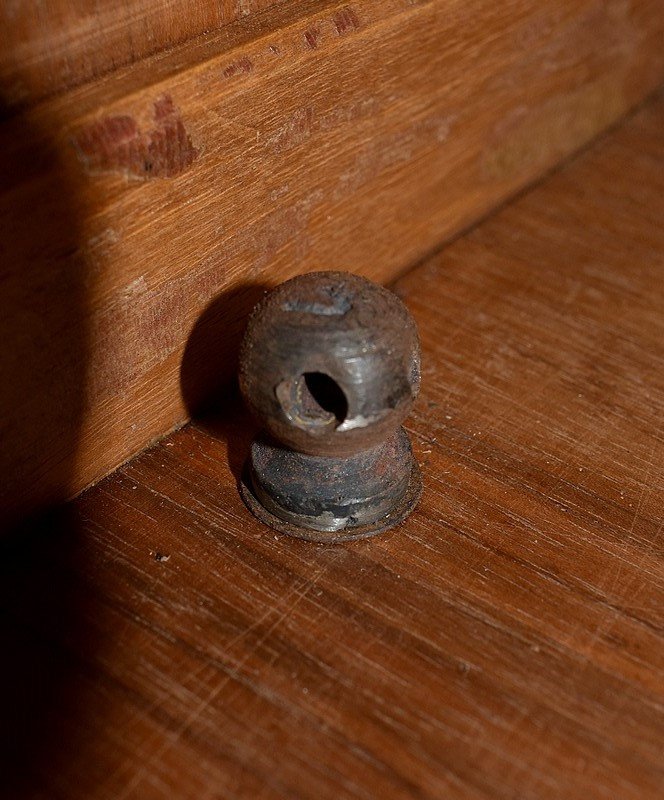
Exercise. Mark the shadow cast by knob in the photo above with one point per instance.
(208, 374)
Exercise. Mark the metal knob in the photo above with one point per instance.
(330, 365)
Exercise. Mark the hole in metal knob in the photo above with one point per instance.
(314, 399)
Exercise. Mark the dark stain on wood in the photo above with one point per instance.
(242, 65)
(346, 21)
(117, 144)
(311, 37)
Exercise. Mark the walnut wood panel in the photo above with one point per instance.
(145, 212)
(506, 641)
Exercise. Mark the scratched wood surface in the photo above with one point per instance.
(505, 642)
(145, 211)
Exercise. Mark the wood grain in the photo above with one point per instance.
(505, 642)
(49, 47)
(146, 211)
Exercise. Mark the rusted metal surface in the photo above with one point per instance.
(330, 365)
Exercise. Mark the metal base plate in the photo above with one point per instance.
(398, 514)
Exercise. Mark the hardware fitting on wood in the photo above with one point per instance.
(330, 365)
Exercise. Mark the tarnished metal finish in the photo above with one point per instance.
(338, 325)
(298, 527)
(330, 365)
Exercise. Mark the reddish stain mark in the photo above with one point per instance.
(117, 144)
(241, 65)
(346, 20)
(311, 37)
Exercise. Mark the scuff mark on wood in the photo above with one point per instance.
(306, 121)
(533, 136)
(117, 144)
(242, 65)
(399, 147)
(311, 37)
(346, 20)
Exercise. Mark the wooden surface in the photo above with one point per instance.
(505, 642)
(49, 47)
(146, 211)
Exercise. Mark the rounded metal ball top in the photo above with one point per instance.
(330, 365)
